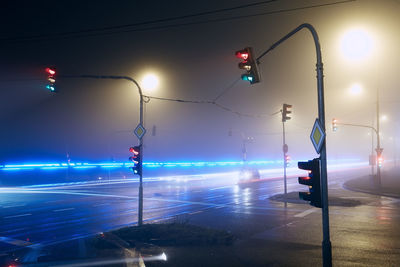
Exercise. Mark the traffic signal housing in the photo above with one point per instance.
(334, 125)
(286, 112)
(51, 79)
(287, 160)
(136, 159)
(313, 181)
(380, 161)
(248, 64)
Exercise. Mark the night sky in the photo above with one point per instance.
(190, 45)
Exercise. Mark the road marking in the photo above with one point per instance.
(305, 213)
(63, 209)
(222, 187)
(20, 215)
(195, 212)
(211, 197)
(14, 206)
(353, 197)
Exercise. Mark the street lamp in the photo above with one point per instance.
(150, 82)
(356, 89)
(356, 44)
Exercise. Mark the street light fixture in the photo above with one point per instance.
(356, 44)
(150, 82)
(356, 89)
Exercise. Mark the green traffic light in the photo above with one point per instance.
(246, 77)
(51, 88)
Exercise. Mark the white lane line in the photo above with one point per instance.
(195, 212)
(63, 209)
(305, 213)
(20, 215)
(222, 187)
(14, 206)
(211, 197)
(354, 197)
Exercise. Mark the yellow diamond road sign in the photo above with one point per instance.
(140, 131)
(317, 136)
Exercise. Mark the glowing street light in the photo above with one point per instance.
(150, 82)
(356, 89)
(356, 44)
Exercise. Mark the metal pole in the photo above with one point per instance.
(284, 157)
(372, 154)
(378, 143)
(326, 243)
(140, 209)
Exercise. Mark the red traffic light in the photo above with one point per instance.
(51, 71)
(243, 54)
(312, 181)
(135, 150)
(248, 64)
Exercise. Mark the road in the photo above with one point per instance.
(364, 228)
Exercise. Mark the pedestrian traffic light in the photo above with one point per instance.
(313, 181)
(286, 112)
(248, 64)
(51, 79)
(287, 160)
(135, 158)
(334, 125)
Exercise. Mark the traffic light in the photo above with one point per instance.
(249, 65)
(135, 158)
(380, 161)
(286, 112)
(334, 125)
(313, 181)
(51, 79)
(287, 160)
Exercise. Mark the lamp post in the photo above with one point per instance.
(141, 140)
(326, 243)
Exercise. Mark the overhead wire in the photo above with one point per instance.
(78, 34)
(144, 22)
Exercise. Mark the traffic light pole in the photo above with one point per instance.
(326, 243)
(140, 208)
(378, 143)
(284, 148)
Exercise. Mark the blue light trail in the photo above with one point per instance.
(113, 165)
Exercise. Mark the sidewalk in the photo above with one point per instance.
(390, 184)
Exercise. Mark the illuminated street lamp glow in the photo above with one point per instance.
(356, 44)
(355, 89)
(150, 82)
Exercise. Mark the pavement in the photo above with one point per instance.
(270, 232)
(390, 184)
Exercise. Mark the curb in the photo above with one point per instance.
(370, 192)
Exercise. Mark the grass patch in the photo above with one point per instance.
(174, 234)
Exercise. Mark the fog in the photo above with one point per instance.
(93, 120)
